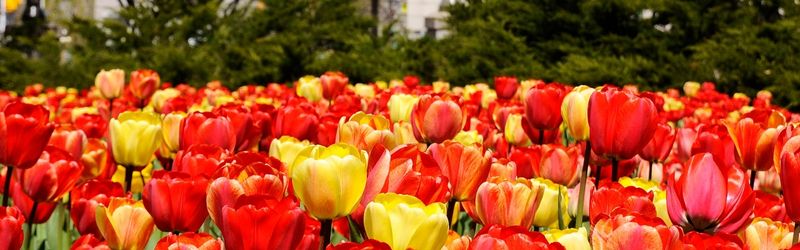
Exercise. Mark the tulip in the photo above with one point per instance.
(35, 212)
(465, 166)
(365, 131)
(506, 86)
(709, 197)
(548, 213)
(11, 221)
(715, 139)
(498, 237)
(95, 160)
(124, 223)
(309, 87)
(244, 177)
(404, 222)
(784, 134)
(110, 83)
(456, 242)
(159, 99)
(51, 177)
(690, 89)
(199, 241)
(176, 201)
(659, 146)
(24, 133)
(543, 106)
(298, 121)
(635, 232)
(134, 137)
(503, 169)
(684, 139)
(621, 124)
(559, 164)
(170, 133)
(469, 138)
(754, 145)
(215, 129)
(329, 181)
(93, 125)
(435, 119)
(574, 110)
(571, 238)
(400, 106)
(514, 132)
(144, 83)
(508, 202)
(256, 222)
(770, 206)
(764, 233)
(70, 139)
(89, 242)
(200, 160)
(415, 173)
(286, 149)
(86, 198)
(333, 83)
(609, 200)
(366, 245)
(696, 240)
(790, 172)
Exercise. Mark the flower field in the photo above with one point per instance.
(136, 163)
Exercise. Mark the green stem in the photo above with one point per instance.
(30, 224)
(560, 210)
(7, 185)
(584, 174)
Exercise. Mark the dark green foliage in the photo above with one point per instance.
(744, 46)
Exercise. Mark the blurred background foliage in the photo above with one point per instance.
(742, 45)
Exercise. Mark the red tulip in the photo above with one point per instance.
(24, 132)
(86, 198)
(258, 222)
(415, 173)
(506, 86)
(198, 241)
(333, 82)
(366, 245)
(435, 119)
(298, 121)
(96, 160)
(612, 199)
(621, 123)
(176, 201)
(465, 166)
(89, 242)
(754, 144)
(11, 221)
(696, 240)
(560, 164)
(714, 139)
(94, 126)
(527, 159)
(659, 147)
(684, 139)
(790, 173)
(199, 160)
(52, 176)
(327, 130)
(543, 106)
(311, 238)
(25, 205)
(784, 134)
(769, 206)
(70, 139)
(247, 134)
(710, 197)
(144, 83)
(498, 237)
(207, 128)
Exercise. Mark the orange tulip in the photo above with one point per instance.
(465, 166)
(124, 223)
(508, 202)
(754, 144)
(96, 159)
(364, 131)
(144, 83)
(559, 164)
(435, 119)
(634, 232)
(69, 138)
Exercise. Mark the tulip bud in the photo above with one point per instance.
(134, 137)
(11, 220)
(423, 227)
(110, 83)
(508, 202)
(144, 83)
(309, 87)
(286, 149)
(435, 119)
(329, 181)
(124, 223)
(400, 106)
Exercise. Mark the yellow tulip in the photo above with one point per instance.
(160, 97)
(469, 138)
(764, 233)
(125, 223)
(573, 239)
(690, 89)
(440, 86)
(404, 133)
(645, 185)
(400, 106)
(171, 130)
(110, 83)
(138, 179)
(365, 131)
(286, 148)
(660, 202)
(309, 87)
(514, 133)
(575, 109)
(364, 90)
(329, 181)
(547, 213)
(135, 136)
(404, 222)
(77, 112)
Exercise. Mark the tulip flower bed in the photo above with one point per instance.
(398, 165)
